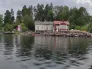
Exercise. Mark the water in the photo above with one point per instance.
(45, 52)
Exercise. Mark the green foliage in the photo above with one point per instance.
(78, 27)
(84, 28)
(78, 18)
(7, 18)
(24, 28)
(25, 17)
(19, 18)
(28, 21)
(1, 23)
(8, 27)
(89, 27)
(44, 13)
(78, 49)
(39, 12)
(1, 20)
(62, 13)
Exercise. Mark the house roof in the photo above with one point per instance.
(62, 22)
(43, 23)
(51, 23)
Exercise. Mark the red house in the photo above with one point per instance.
(61, 26)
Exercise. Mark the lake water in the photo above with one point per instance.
(45, 52)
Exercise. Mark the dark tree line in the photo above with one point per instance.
(77, 17)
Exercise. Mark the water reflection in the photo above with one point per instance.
(8, 45)
(65, 51)
(45, 52)
(25, 46)
(78, 48)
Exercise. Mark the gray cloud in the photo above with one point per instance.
(18, 4)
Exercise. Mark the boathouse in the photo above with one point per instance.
(55, 26)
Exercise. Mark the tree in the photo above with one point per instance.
(61, 13)
(78, 17)
(89, 27)
(39, 12)
(7, 17)
(48, 12)
(83, 16)
(8, 27)
(28, 21)
(1, 20)
(19, 18)
(65, 13)
(57, 12)
(12, 16)
(24, 10)
(30, 10)
(1, 23)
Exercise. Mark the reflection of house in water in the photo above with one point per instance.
(52, 43)
(16, 40)
(59, 47)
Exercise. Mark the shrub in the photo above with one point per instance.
(24, 28)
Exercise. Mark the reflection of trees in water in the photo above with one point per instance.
(45, 53)
(78, 49)
(25, 45)
(8, 40)
(65, 51)
(77, 52)
(90, 67)
(59, 57)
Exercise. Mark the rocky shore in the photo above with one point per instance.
(62, 34)
(66, 34)
(27, 33)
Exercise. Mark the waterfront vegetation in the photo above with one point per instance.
(79, 18)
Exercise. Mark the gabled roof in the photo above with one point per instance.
(43, 23)
(62, 22)
(51, 23)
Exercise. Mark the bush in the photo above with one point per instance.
(24, 28)
(84, 28)
(78, 28)
(89, 28)
(8, 27)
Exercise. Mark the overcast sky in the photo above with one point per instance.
(18, 4)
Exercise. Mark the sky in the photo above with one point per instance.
(18, 4)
